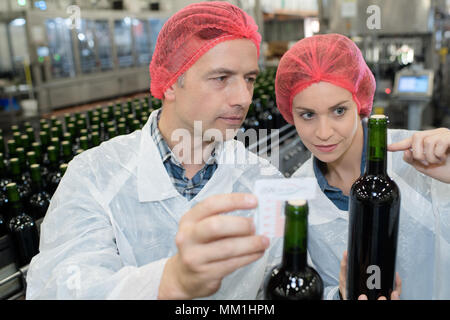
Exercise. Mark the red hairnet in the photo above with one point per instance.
(190, 33)
(332, 58)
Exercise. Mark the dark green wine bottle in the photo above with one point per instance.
(53, 158)
(3, 199)
(4, 178)
(67, 152)
(293, 279)
(2, 144)
(374, 211)
(22, 227)
(84, 143)
(95, 139)
(40, 198)
(23, 186)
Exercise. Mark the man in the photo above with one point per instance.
(138, 217)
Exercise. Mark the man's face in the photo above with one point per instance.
(218, 88)
(326, 119)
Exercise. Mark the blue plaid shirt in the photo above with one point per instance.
(188, 188)
(335, 194)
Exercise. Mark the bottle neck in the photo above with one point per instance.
(295, 241)
(376, 162)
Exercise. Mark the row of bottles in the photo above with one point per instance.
(33, 162)
(263, 112)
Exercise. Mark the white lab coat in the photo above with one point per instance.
(423, 254)
(111, 224)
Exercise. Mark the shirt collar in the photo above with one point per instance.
(163, 148)
(319, 166)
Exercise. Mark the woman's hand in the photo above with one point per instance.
(428, 151)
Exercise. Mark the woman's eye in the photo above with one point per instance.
(340, 111)
(307, 115)
(251, 80)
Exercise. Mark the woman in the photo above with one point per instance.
(324, 87)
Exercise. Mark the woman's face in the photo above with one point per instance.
(326, 119)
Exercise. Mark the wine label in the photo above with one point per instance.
(272, 194)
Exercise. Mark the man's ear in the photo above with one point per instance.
(169, 94)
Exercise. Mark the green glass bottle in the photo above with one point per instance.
(95, 137)
(57, 144)
(53, 158)
(90, 116)
(15, 128)
(46, 128)
(43, 162)
(374, 212)
(11, 148)
(95, 120)
(2, 144)
(122, 129)
(45, 140)
(17, 139)
(136, 125)
(53, 120)
(67, 152)
(42, 122)
(40, 198)
(22, 227)
(111, 132)
(30, 134)
(293, 279)
(24, 173)
(55, 133)
(23, 185)
(26, 144)
(27, 124)
(84, 143)
(4, 180)
(67, 119)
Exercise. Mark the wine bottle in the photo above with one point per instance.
(22, 184)
(40, 198)
(293, 279)
(67, 152)
(374, 211)
(22, 227)
(3, 199)
(53, 159)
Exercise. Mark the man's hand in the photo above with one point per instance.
(395, 295)
(428, 151)
(211, 246)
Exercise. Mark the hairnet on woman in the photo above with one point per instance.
(324, 87)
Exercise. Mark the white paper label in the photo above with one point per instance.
(271, 194)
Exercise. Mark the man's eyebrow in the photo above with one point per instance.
(332, 107)
(221, 71)
(229, 72)
(252, 73)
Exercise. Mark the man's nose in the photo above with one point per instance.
(241, 94)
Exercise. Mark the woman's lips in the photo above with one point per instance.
(326, 148)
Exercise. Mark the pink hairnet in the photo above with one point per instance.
(332, 58)
(190, 33)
